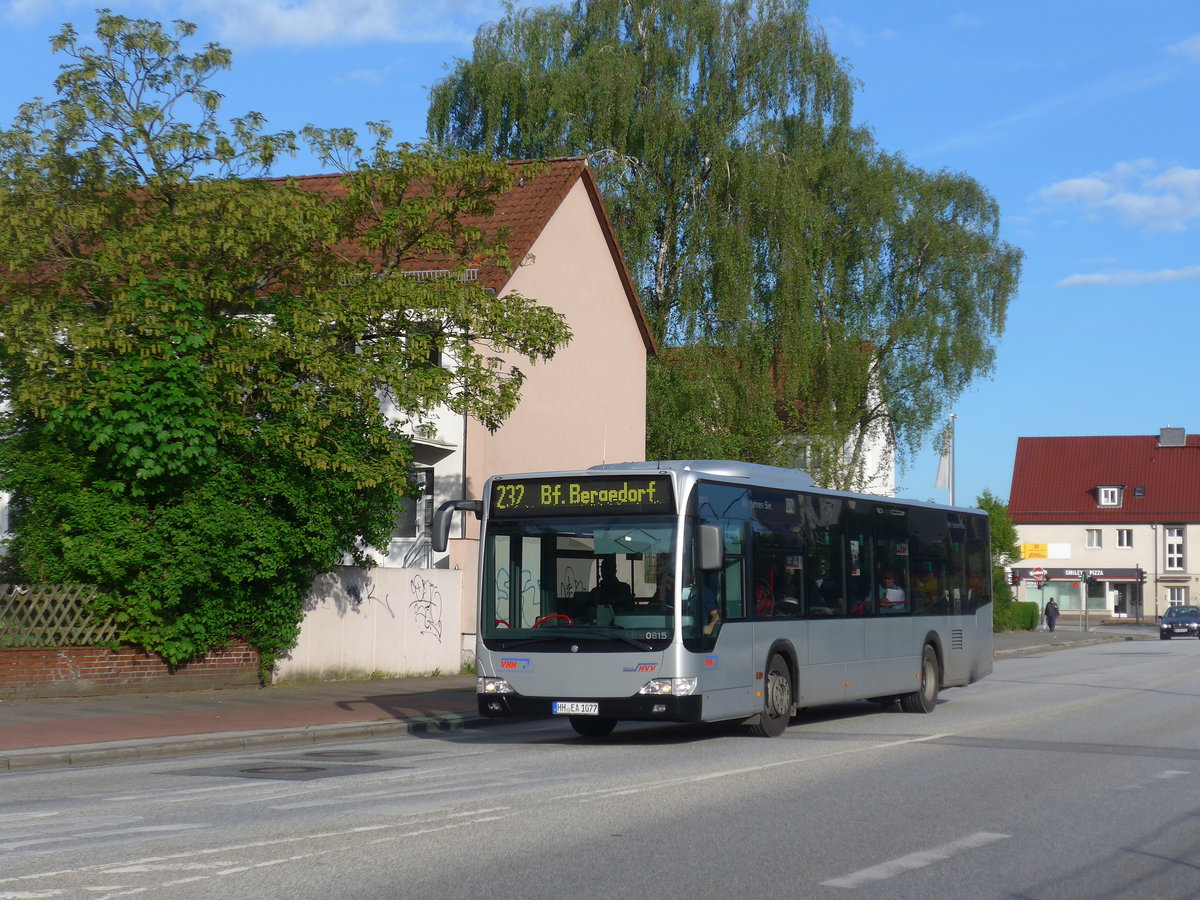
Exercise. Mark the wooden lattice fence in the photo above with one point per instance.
(51, 615)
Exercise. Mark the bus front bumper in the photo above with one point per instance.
(638, 708)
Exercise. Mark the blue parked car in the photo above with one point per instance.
(1179, 621)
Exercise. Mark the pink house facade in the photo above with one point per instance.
(416, 610)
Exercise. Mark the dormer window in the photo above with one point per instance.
(1109, 495)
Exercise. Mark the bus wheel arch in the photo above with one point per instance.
(778, 692)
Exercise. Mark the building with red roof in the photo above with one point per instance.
(1112, 518)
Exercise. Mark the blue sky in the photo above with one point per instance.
(1079, 118)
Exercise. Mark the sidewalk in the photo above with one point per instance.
(82, 731)
(62, 732)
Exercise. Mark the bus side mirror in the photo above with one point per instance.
(441, 520)
(710, 548)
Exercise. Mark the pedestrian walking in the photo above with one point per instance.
(1051, 613)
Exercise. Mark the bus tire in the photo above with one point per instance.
(777, 699)
(592, 726)
(924, 699)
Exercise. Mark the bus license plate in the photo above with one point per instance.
(561, 708)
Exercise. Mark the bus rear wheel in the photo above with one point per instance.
(592, 726)
(777, 699)
(924, 699)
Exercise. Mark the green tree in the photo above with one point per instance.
(843, 293)
(212, 380)
(1004, 553)
(1003, 531)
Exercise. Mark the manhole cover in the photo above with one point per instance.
(286, 772)
(343, 754)
(281, 770)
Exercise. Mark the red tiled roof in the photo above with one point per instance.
(1055, 480)
(525, 211)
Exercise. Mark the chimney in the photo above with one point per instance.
(1172, 437)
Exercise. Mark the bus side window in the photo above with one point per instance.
(825, 591)
(733, 594)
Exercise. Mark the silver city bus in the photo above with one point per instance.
(709, 591)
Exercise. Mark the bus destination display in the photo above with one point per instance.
(621, 495)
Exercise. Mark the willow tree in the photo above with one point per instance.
(193, 361)
(809, 290)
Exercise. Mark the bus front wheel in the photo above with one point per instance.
(777, 699)
(592, 726)
(924, 699)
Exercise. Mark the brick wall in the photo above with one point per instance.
(85, 671)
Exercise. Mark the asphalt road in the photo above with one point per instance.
(1062, 775)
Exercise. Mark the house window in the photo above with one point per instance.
(1094, 541)
(1176, 596)
(1110, 496)
(417, 515)
(1125, 538)
(1173, 548)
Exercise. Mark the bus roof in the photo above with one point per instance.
(756, 473)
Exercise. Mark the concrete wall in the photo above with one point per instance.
(387, 621)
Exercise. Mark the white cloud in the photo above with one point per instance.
(363, 76)
(311, 22)
(22, 12)
(1189, 47)
(242, 23)
(1083, 190)
(1177, 178)
(1129, 279)
(1139, 193)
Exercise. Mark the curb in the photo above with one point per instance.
(1033, 649)
(82, 755)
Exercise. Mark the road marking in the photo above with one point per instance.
(65, 836)
(918, 860)
(600, 794)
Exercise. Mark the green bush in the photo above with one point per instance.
(1007, 613)
(1025, 616)
(1002, 602)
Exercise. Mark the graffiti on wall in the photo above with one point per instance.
(426, 606)
(364, 593)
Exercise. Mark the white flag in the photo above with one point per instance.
(943, 473)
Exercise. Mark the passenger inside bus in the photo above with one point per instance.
(891, 595)
(700, 601)
(789, 604)
(764, 599)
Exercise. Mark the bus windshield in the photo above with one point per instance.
(595, 583)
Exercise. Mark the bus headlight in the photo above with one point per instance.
(486, 685)
(677, 687)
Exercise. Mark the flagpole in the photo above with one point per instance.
(953, 416)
